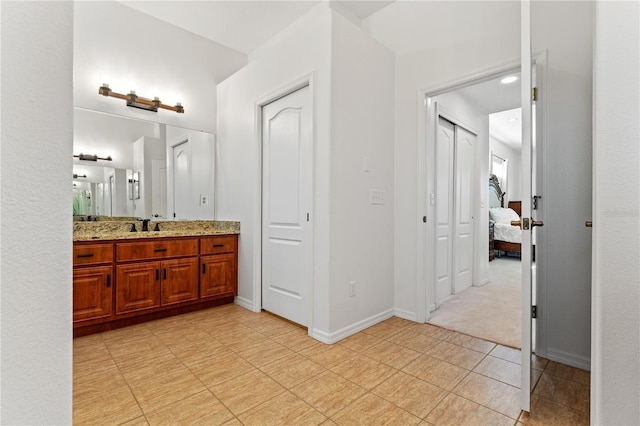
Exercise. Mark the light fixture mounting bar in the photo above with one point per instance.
(136, 101)
(89, 157)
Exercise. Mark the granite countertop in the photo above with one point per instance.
(121, 230)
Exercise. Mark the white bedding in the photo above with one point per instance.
(506, 232)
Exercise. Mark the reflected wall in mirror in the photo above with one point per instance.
(139, 181)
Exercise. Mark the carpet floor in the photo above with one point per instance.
(490, 312)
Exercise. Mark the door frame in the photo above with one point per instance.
(282, 91)
(170, 181)
(425, 231)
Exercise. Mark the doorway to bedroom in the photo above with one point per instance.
(490, 306)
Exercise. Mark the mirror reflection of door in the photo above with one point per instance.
(159, 189)
(181, 180)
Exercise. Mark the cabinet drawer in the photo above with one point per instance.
(87, 254)
(222, 244)
(156, 249)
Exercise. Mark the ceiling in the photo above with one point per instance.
(241, 25)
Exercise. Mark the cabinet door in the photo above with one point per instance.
(92, 293)
(179, 280)
(138, 287)
(218, 275)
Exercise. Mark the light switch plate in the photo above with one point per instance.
(376, 196)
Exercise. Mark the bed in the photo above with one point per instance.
(506, 238)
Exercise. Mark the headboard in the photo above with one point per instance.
(496, 196)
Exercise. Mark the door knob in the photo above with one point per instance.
(588, 224)
(516, 223)
(537, 223)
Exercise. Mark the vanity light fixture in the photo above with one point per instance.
(88, 157)
(136, 101)
(76, 176)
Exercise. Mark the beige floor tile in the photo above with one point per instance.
(436, 372)
(457, 411)
(410, 393)
(457, 355)
(88, 359)
(244, 392)
(328, 392)
(218, 370)
(382, 330)
(432, 330)
(499, 369)
(507, 353)
(470, 342)
(233, 422)
(274, 327)
(538, 363)
(373, 410)
(185, 335)
(545, 412)
(563, 392)
(284, 409)
(567, 372)
(139, 421)
(146, 352)
(391, 354)
(491, 393)
(296, 340)
(292, 370)
(129, 334)
(264, 352)
(202, 408)
(399, 322)
(105, 399)
(415, 341)
(327, 355)
(328, 422)
(361, 342)
(241, 339)
(196, 352)
(363, 371)
(171, 383)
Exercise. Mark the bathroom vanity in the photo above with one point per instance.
(122, 277)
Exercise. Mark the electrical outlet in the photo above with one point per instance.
(376, 196)
(204, 200)
(352, 289)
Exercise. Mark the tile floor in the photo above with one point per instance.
(229, 366)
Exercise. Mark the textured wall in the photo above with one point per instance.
(36, 160)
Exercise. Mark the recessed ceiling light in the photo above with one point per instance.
(508, 80)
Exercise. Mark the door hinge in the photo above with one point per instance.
(534, 94)
(424, 219)
(534, 202)
(534, 311)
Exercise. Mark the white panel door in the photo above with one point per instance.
(445, 142)
(464, 202)
(159, 189)
(526, 171)
(286, 202)
(181, 180)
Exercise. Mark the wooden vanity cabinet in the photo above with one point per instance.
(147, 285)
(92, 283)
(124, 282)
(218, 266)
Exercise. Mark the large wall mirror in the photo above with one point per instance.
(138, 181)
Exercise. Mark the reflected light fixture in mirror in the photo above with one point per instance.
(88, 157)
(510, 79)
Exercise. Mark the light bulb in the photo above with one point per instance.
(508, 80)
(104, 80)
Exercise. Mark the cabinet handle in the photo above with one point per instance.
(204, 268)
(85, 255)
(158, 250)
(157, 274)
(164, 273)
(108, 280)
(218, 245)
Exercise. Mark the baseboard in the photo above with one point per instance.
(483, 282)
(569, 359)
(336, 336)
(401, 313)
(245, 303)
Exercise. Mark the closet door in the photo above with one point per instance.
(445, 143)
(464, 202)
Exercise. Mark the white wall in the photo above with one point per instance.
(37, 61)
(514, 164)
(615, 374)
(299, 51)
(445, 60)
(131, 46)
(471, 116)
(362, 118)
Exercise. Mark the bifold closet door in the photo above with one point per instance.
(464, 202)
(445, 144)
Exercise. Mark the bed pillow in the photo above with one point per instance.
(503, 215)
